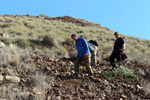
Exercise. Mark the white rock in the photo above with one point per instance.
(58, 98)
(141, 72)
(15, 89)
(139, 87)
(12, 79)
(1, 79)
(39, 93)
(2, 45)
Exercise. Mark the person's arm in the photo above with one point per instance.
(85, 45)
(123, 46)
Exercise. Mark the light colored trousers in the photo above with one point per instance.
(93, 57)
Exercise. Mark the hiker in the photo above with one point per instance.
(118, 50)
(93, 45)
(83, 56)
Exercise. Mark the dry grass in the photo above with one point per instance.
(33, 32)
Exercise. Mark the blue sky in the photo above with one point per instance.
(130, 17)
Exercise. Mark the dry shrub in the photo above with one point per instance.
(49, 40)
(68, 42)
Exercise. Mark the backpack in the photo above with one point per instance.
(91, 44)
(94, 42)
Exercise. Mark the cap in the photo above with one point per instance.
(116, 33)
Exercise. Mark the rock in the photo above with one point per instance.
(145, 90)
(90, 94)
(58, 98)
(138, 87)
(15, 89)
(123, 96)
(24, 95)
(12, 79)
(2, 45)
(141, 72)
(1, 79)
(3, 99)
(58, 93)
(106, 82)
(39, 93)
(48, 97)
(28, 15)
(107, 90)
(67, 74)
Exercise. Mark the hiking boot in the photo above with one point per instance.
(75, 76)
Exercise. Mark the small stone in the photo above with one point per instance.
(107, 90)
(138, 87)
(90, 94)
(2, 45)
(106, 82)
(12, 79)
(123, 96)
(58, 98)
(1, 79)
(39, 93)
(58, 93)
(141, 72)
(67, 74)
(15, 89)
(145, 90)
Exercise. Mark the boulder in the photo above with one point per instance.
(12, 79)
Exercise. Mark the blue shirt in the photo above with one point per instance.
(82, 47)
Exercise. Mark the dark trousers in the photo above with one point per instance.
(112, 58)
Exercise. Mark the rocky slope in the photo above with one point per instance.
(62, 85)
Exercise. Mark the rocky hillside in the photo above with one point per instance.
(37, 55)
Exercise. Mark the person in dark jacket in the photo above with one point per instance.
(118, 50)
(83, 56)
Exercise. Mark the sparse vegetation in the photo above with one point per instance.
(30, 43)
(121, 72)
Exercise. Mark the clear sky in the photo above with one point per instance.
(130, 17)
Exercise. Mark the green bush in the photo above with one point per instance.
(42, 15)
(122, 72)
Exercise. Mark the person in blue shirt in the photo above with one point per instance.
(83, 56)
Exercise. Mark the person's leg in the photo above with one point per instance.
(111, 59)
(76, 65)
(93, 57)
(118, 54)
(87, 62)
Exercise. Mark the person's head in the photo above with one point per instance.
(117, 35)
(74, 37)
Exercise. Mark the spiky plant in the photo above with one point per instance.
(122, 72)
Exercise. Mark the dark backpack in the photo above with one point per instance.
(94, 42)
